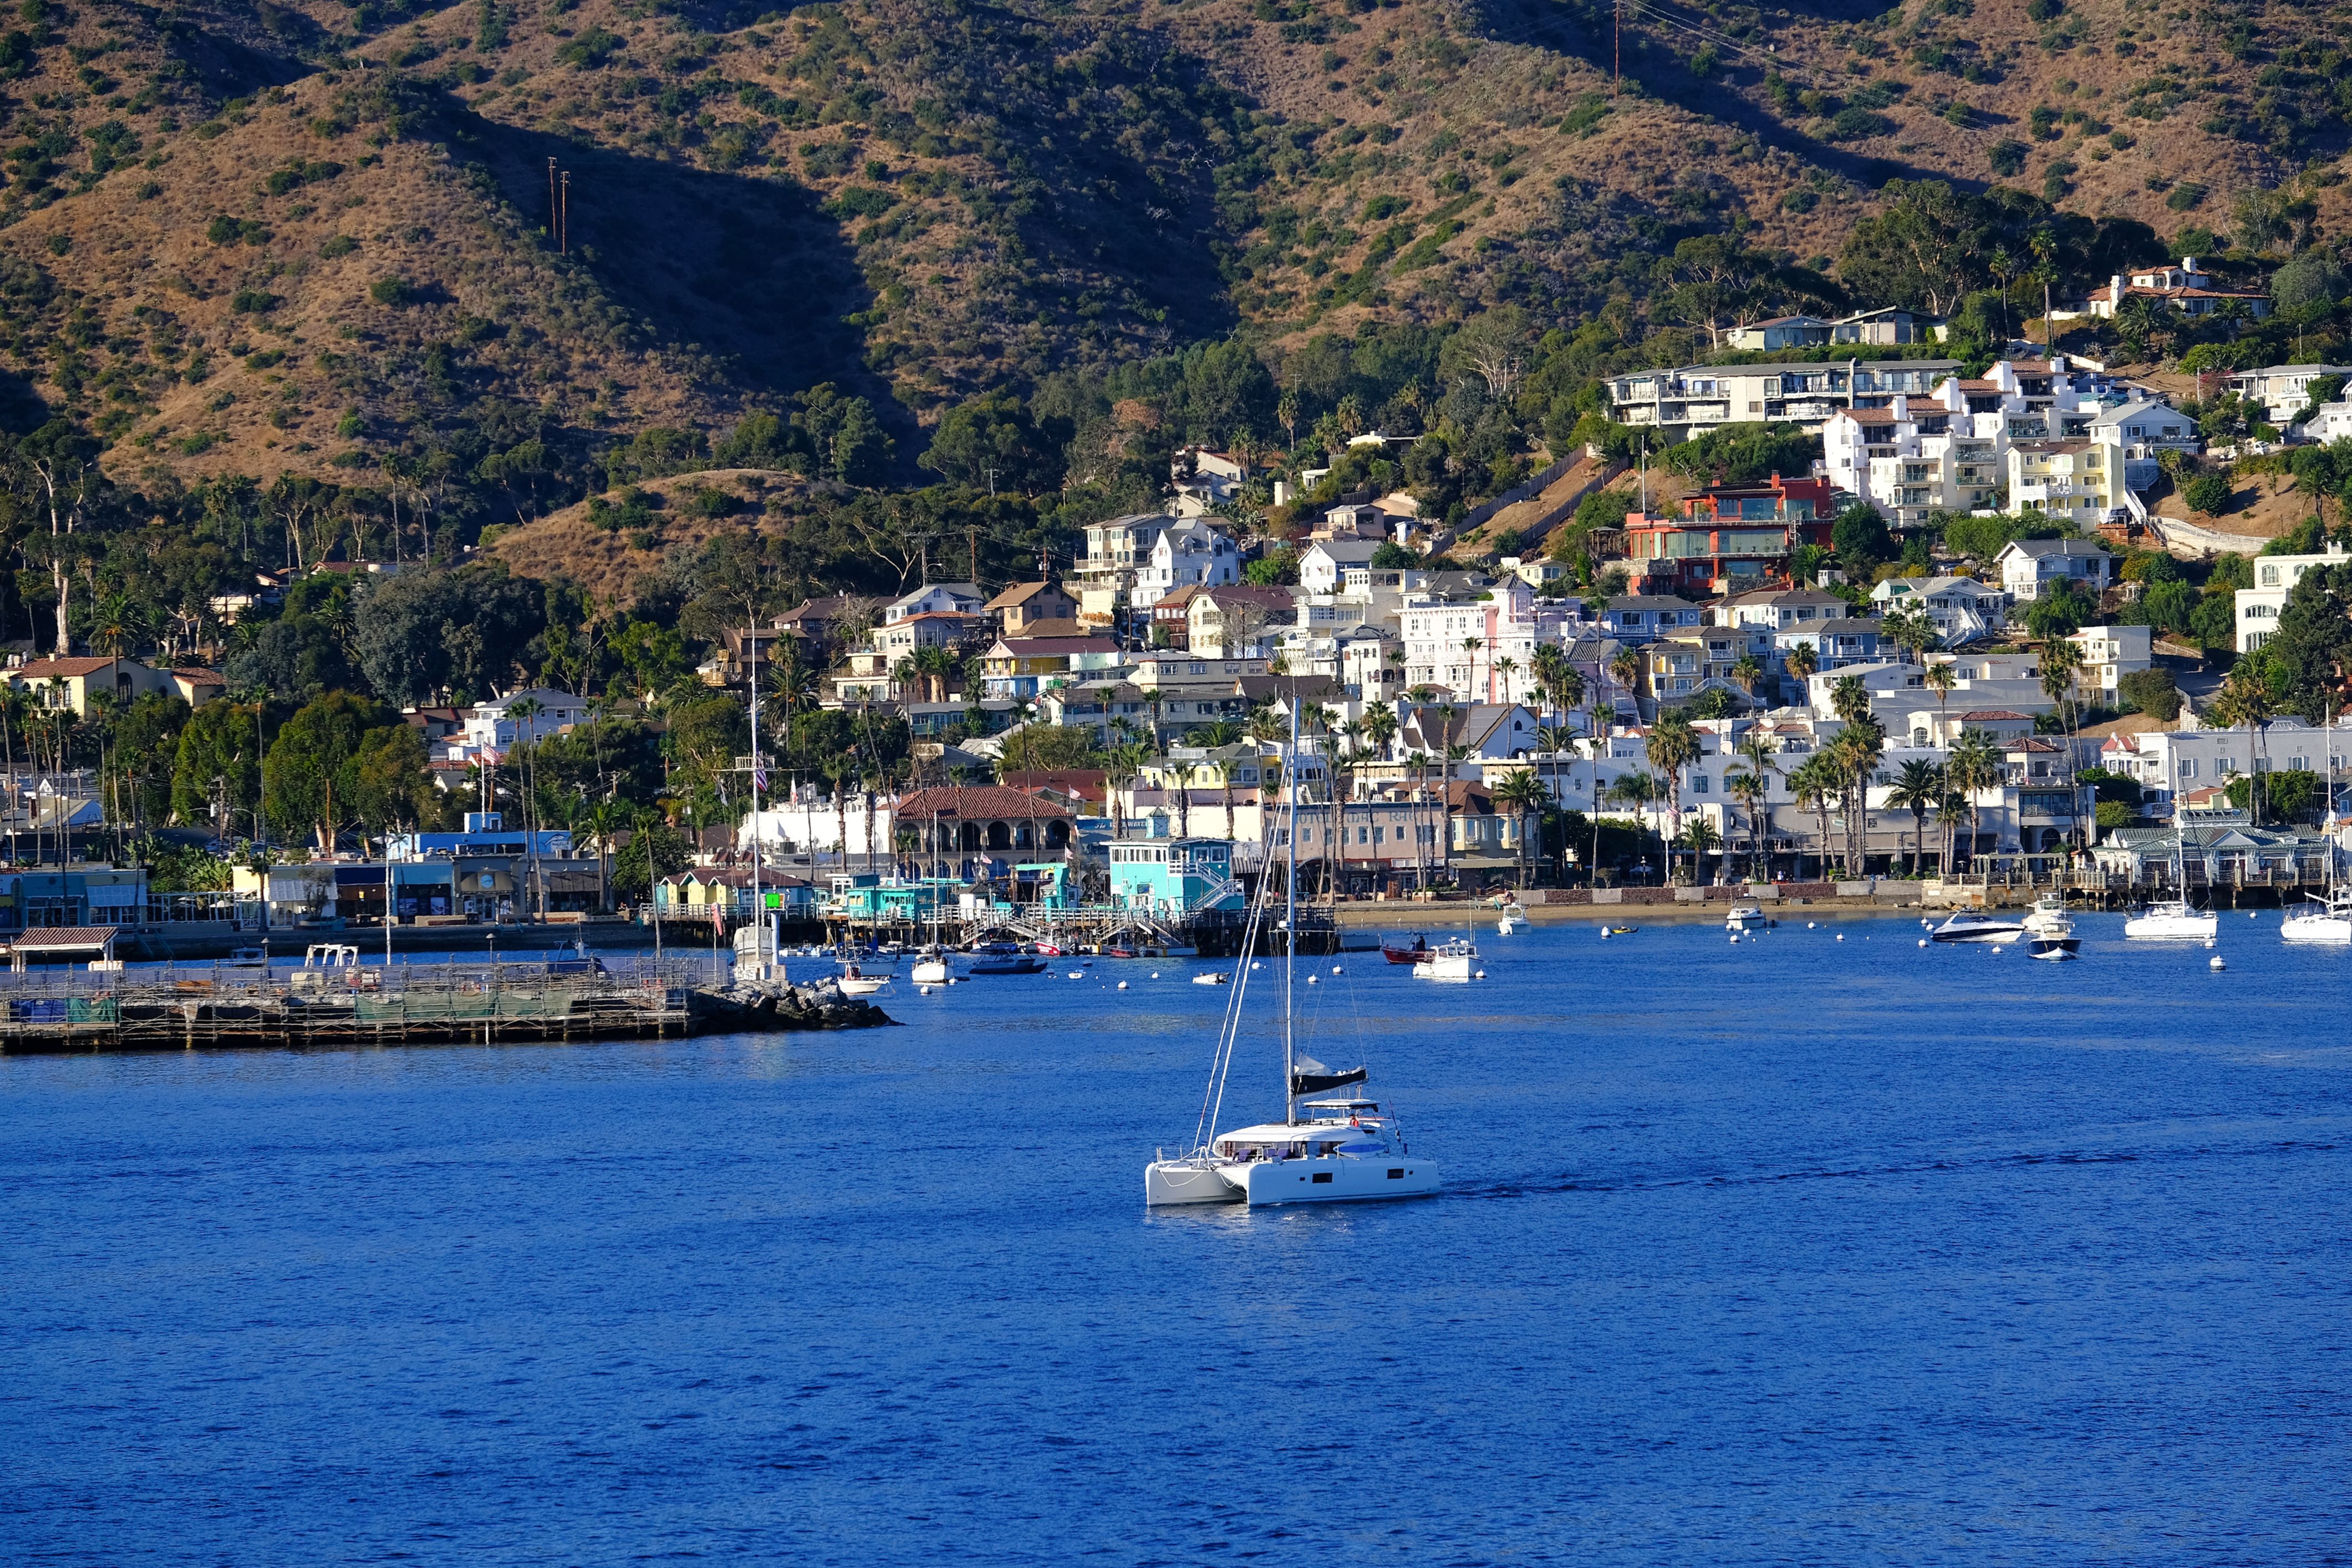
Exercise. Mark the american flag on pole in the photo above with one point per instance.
(759, 776)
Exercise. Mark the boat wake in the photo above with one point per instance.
(1536, 1186)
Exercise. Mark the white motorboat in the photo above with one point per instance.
(1455, 960)
(1214, 978)
(2049, 917)
(1746, 918)
(2172, 919)
(1514, 922)
(2052, 949)
(855, 981)
(2322, 922)
(931, 968)
(1323, 1151)
(1978, 925)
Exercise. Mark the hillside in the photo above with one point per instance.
(248, 239)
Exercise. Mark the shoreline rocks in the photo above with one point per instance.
(749, 1005)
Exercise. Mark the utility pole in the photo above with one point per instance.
(992, 482)
(564, 243)
(971, 535)
(1617, 51)
(553, 223)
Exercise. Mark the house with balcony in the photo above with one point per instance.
(1691, 400)
(2275, 576)
(1188, 553)
(1480, 645)
(2110, 653)
(1021, 606)
(934, 599)
(1020, 667)
(2081, 482)
(1730, 538)
(2284, 390)
(1781, 332)
(2028, 566)
(1635, 618)
(1961, 609)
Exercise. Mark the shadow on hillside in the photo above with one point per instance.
(741, 267)
(1583, 33)
(233, 51)
(21, 408)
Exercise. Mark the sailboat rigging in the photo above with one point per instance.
(1343, 1150)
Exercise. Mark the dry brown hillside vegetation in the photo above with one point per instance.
(258, 238)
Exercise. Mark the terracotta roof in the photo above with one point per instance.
(1994, 716)
(977, 803)
(1869, 415)
(60, 668)
(191, 672)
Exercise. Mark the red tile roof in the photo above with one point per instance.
(976, 803)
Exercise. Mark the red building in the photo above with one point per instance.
(1731, 538)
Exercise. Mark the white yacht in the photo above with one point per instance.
(2172, 919)
(2049, 917)
(931, 967)
(1323, 1151)
(1455, 960)
(1747, 917)
(1979, 925)
(1514, 921)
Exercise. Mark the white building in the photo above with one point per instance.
(495, 726)
(1694, 399)
(1961, 609)
(1190, 554)
(2028, 566)
(2169, 762)
(935, 599)
(1325, 564)
(2184, 288)
(2330, 422)
(2275, 576)
(1482, 648)
(2110, 653)
(2281, 390)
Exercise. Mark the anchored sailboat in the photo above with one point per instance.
(1335, 1150)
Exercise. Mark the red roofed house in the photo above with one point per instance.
(58, 683)
(2183, 288)
(984, 819)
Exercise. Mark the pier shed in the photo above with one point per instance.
(62, 944)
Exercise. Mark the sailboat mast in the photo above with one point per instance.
(1291, 924)
(759, 910)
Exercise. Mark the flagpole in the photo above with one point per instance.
(759, 908)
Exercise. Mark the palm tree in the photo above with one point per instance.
(1747, 674)
(1471, 646)
(1813, 783)
(1524, 792)
(1850, 699)
(1857, 749)
(1752, 786)
(1506, 668)
(1636, 789)
(1673, 746)
(1625, 669)
(1801, 660)
(2243, 699)
(605, 819)
(2062, 658)
(1180, 773)
(1918, 788)
(1941, 679)
(1699, 837)
(1120, 764)
(1972, 763)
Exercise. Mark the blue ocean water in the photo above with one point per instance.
(1799, 1250)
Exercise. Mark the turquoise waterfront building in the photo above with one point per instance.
(1174, 876)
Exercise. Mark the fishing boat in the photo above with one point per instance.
(1419, 953)
(1323, 1149)
(1514, 921)
(1747, 918)
(1975, 925)
(1455, 960)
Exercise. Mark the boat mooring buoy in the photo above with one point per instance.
(1155, 974)
(1339, 969)
(1922, 942)
(1314, 979)
(1840, 936)
(2215, 964)
(1122, 985)
(922, 991)
(1482, 974)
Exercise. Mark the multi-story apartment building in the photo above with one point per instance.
(1481, 645)
(2281, 390)
(2079, 482)
(1189, 552)
(1691, 400)
(2275, 576)
(1731, 538)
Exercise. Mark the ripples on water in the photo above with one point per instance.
(1791, 1251)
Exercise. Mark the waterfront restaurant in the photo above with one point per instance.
(1172, 876)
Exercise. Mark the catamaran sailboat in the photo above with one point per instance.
(1324, 1150)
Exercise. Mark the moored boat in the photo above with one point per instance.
(1747, 918)
(1978, 925)
(1456, 960)
(1419, 953)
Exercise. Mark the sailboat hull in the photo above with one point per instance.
(2325, 930)
(1335, 1180)
(1174, 1181)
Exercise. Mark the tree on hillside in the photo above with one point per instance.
(313, 772)
(464, 632)
(991, 443)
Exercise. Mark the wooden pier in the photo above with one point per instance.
(190, 1008)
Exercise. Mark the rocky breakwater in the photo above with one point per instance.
(773, 1004)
